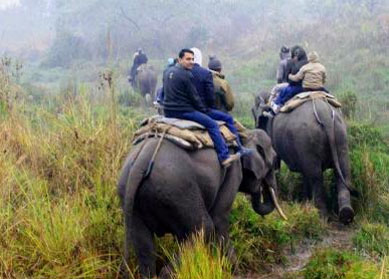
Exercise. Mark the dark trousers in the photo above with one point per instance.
(222, 116)
(211, 126)
(288, 93)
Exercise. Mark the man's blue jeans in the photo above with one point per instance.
(222, 116)
(210, 124)
(287, 93)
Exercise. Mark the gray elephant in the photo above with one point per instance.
(311, 139)
(189, 190)
(145, 82)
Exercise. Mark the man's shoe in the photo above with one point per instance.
(227, 162)
(268, 114)
(276, 108)
(244, 151)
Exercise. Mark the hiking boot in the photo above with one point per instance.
(227, 162)
(244, 151)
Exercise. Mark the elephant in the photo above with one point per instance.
(310, 139)
(189, 190)
(145, 82)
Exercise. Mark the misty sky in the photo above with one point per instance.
(6, 4)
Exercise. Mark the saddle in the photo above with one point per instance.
(301, 98)
(184, 133)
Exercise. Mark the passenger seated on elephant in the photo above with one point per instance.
(181, 100)
(160, 95)
(203, 81)
(139, 59)
(312, 74)
(224, 97)
(282, 77)
(299, 59)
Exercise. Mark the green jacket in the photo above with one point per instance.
(224, 98)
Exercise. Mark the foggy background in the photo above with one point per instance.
(59, 40)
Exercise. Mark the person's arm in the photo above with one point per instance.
(324, 75)
(209, 91)
(228, 97)
(280, 71)
(299, 76)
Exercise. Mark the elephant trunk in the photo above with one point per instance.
(262, 207)
(270, 200)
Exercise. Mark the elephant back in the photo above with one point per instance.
(146, 80)
(301, 98)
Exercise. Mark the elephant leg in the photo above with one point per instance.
(313, 180)
(306, 194)
(224, 200)
(346, 212)
(142, 239)
(220, 212)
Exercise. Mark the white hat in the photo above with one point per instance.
(198, 57)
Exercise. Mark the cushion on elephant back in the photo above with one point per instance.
(301, 98)
(187, 134)
(143, 67)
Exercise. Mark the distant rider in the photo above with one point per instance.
(139, 59)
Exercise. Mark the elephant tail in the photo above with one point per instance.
(329, 127)
(135, 171)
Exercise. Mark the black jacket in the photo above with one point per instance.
(293, 67)
(140, 59)
(179, 92)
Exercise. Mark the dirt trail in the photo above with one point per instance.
(338, 236)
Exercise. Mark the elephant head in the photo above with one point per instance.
(259, 174)
(261, 105)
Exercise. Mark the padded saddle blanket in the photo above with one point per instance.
(301, 98)
(187, 134)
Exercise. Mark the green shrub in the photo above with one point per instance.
(330, 263)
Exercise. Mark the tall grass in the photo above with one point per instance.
(197, 259)
(60, 217)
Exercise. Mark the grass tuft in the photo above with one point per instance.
(197, 259)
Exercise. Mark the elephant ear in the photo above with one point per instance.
(262, 160)
(265, 147)
(255, 164)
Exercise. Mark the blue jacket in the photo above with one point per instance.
(203, 81)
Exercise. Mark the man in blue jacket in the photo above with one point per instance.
(182, 101)
(203, 81)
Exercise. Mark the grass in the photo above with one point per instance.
(330, 263)
(60, 217)
(373, 238)
(197, 259)
(260, 241)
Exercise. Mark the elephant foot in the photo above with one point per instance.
(346, 215)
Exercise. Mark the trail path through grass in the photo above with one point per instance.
(338, 237)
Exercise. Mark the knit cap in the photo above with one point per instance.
(214, 63)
